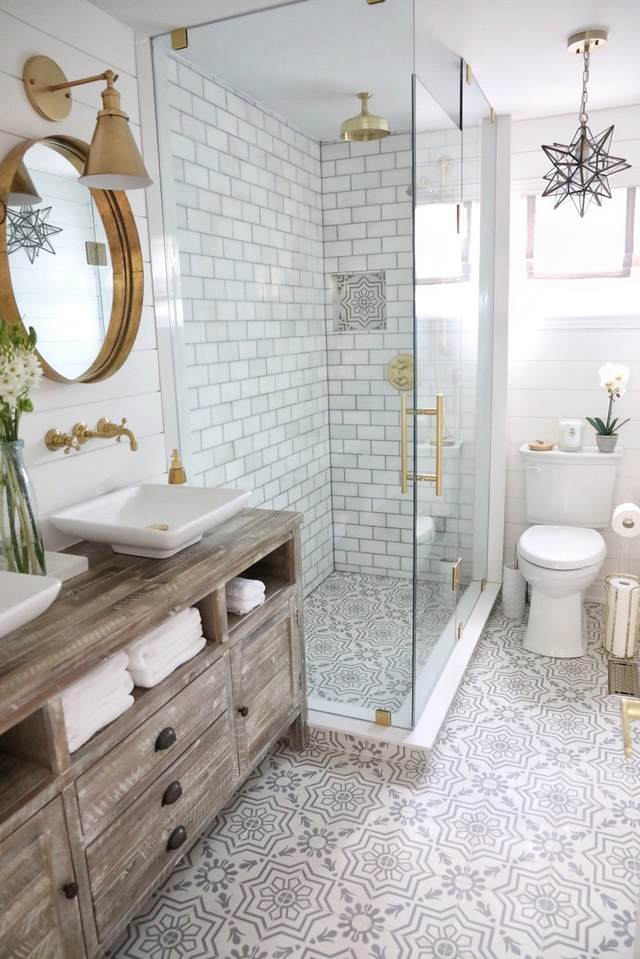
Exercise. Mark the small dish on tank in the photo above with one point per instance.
(540, 446)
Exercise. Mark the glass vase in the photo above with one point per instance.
(22, 546)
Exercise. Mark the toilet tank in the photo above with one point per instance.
(570, 489)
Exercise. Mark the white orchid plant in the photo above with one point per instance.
(20, 371)
(614, 379)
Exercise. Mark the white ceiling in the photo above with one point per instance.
(517, 49)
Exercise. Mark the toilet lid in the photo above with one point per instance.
(562, 547)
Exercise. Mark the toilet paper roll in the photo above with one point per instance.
(626, 520)
(622, 616)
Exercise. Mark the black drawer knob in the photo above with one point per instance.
(172, 793)
(177, 837)
(244, 711)
(70, 890)
(166, 738)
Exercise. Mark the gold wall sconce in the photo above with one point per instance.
(55, 440)
(114, 161)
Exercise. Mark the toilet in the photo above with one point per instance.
(569, 496)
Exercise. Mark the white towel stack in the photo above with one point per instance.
(243, 595)
(160, 652)
(96, 700)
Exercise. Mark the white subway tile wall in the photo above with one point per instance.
(367, 227)
(248, 192)
(280, 402)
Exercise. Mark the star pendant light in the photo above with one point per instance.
(581, 169)
(29, 231)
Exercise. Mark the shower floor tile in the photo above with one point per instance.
(519, 838)
(358, 634)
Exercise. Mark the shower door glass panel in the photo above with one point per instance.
(441, 251)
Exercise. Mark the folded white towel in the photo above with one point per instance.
(243, 606)
(245, 588)
(152, 675)
(81, 727)
(104, 677)
(87, 699)
(144, 657)
(165, 639)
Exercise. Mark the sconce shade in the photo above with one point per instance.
(23, 191)
(114, 161)
(364, 126)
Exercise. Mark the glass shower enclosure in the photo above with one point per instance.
(402, 330)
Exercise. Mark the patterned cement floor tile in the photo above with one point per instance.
(359, 645)
(520, 839)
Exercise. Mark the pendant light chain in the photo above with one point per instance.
(584, 116)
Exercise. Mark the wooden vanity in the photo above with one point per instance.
(85, 839)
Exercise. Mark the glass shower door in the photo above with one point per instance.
(454, 170)
(440, 252)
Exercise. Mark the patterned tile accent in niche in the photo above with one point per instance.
(359, 301)
(358, 633)
(520, 839)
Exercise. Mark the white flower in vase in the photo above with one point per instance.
(20, 370)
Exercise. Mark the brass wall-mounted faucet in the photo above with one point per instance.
(55, 440)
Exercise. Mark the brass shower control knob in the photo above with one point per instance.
(400, 372)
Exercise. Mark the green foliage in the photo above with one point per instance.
(605, 430)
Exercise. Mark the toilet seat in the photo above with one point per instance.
(562, 547)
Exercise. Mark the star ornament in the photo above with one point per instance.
(29, 231)
(582, 169)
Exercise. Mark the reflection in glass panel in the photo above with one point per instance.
(64, 288)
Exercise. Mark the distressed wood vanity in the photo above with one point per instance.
(86, 838)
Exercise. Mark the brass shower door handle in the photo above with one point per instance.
(405, 476)
(630, 709)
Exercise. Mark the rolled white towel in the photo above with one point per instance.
(166, 639)
(143, 657)
(243, 606)
(245, 588)
(82, 726)
(152, 675)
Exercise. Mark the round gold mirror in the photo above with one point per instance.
(70, 261)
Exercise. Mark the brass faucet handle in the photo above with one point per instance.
(55, 440)
(630, 709)
(81, 433)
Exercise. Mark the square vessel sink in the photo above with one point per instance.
(23, 597)
(149, 519)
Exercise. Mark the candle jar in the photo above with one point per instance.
(570, 435)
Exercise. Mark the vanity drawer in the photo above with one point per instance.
(132, 852)
(118, 776)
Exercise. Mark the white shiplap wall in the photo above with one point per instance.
(554, 372)
(84, 41)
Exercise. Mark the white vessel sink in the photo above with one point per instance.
(23, 597)
(149, 519)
